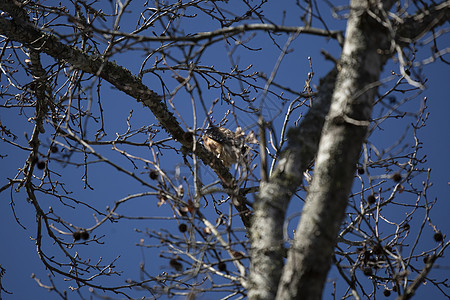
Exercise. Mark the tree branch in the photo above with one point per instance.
(25, 32)
(229, 31)
(414, 27)
(272, 201)
(360, 65)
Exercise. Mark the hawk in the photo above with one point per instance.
(225, 144)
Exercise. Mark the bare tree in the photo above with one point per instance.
(243, 146)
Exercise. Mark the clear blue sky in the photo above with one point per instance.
(18, 252)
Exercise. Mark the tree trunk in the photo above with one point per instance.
(344, 131)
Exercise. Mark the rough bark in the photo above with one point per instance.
(368, 44)
(365, 52)
(351, 90)
(344, 131)
(270, 206)
(21, 30)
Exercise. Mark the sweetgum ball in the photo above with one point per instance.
(438, 237)
(182, 227)
(76, 235)
(40, 165)
(84, 235)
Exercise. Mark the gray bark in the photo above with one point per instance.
(271, 204)
(20, 29)
(344, 131)
(368, 44)
(339, 148)
(341, 130)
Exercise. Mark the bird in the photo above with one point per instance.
(225, 144)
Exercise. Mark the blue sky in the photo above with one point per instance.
(18, 252)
